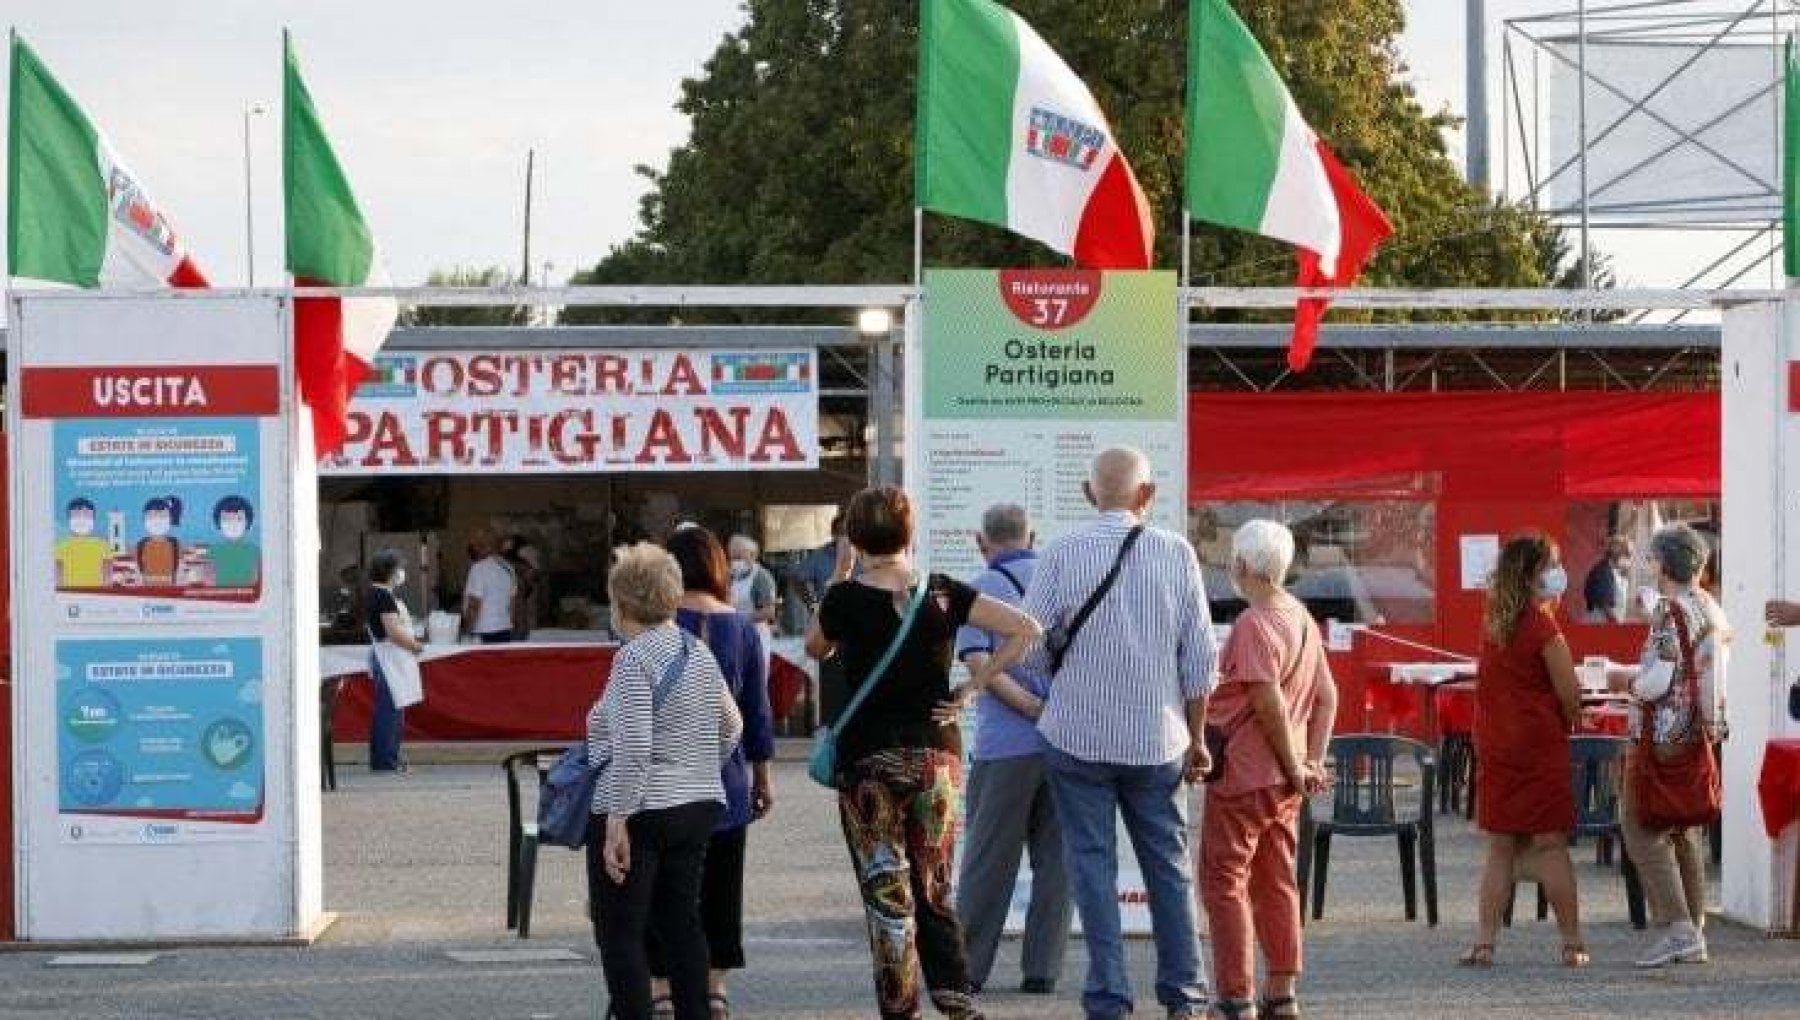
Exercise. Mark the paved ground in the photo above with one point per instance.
(414, 868)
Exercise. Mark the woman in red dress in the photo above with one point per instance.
(1526, 701)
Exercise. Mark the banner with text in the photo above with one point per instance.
(1027, 375)
(561, 412)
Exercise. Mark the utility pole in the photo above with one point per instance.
(525, 266)
(1475, 96)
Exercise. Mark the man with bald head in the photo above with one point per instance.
(1130, 654)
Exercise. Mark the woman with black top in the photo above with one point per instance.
(386, 620)
(900, 755)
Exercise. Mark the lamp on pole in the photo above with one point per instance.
(253, 110)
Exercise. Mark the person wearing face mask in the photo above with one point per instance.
(159, 553)
(753, 587)
(81, 557)
(396, 685)
(1527, 701)
(237, 562)
(1607, 590)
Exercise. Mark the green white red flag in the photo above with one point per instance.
(1255, 164)
(328, 245)
(1008, 135)
(76, 216)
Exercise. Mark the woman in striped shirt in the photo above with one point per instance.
(661, 731)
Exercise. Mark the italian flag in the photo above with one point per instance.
(1254, 164)
(1008, 135)
(328, 245)
(76, 215)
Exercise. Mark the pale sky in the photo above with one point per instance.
(432, 106)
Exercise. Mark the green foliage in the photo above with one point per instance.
(468, 276)
(799, 164)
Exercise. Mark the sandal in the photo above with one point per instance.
(1480, 955)
(1235, 1009)
(662, 1008)
(1575, 956)
(719, 1006)
(1286, 1007)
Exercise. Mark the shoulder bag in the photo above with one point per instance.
(1218, 739)
(566, 796)
(1675, 786)
(823, 766)
(1058, 638)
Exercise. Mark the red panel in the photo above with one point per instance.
(150, 391)
(1794, 386)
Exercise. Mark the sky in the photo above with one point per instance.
(433, 105)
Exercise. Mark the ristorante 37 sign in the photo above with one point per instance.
(558, 412)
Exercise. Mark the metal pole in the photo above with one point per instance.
(881, 400)
(525, 264)
(1587, 281)
(1476, 95)
(249, 203)
(918, 246)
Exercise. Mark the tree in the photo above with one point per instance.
(798, 168)
(468, 276)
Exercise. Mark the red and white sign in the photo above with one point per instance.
(151, 391)
(560, 412)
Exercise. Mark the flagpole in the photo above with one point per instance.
(918, 265)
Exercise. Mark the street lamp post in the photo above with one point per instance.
(249, 200)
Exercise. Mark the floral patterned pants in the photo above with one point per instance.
(900, 814)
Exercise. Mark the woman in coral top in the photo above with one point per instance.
(1526, 701)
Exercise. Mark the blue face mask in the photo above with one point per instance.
(1554, 584)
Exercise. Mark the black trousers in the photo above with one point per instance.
(721, 905)
(661, 892)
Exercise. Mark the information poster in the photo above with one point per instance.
(155, 734)
(1027, 375)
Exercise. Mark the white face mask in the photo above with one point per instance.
(741, 569)
(157, 524)
(233, 527)
(1554, 584)
(81, 524)
(398, 579)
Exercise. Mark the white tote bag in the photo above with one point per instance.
(399, 667)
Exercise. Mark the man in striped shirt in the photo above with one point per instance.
(1124, 723)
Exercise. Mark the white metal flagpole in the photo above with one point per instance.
(918, 276)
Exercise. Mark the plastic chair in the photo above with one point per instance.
(1597, 773)
(522, 832)
(329, 689)
(1365, 803)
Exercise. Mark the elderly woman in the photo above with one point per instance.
(900, 755)
(749, 794)
(1675, 708)
(661, 731)
(1527, 700)
(1274, 708)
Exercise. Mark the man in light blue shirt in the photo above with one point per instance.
(1010, 807)
(1124, 722)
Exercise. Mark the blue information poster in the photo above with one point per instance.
(159, 731)
(157, 518)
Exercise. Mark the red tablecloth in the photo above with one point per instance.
(1779, 785)
(517, 693)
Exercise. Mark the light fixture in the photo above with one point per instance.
(874, 321)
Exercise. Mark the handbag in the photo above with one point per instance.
(1058, 638)
(1218, 739)
(566, 796)
(1675, 786)
(822, 767)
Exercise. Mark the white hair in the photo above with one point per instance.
(744, 544)
(1265, 548)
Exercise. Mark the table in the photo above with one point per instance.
(526, 691)
(1602, 712)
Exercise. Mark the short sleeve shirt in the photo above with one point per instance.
(379, 602)
(492, 582)
(1276, 644)
(862, 620)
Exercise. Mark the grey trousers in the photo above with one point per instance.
(1010, 811)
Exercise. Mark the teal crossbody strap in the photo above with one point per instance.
(887, 657)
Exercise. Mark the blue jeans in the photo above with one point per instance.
(384, 727)
(1089, 796)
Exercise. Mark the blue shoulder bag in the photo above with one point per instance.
(566, 797)
(823, 766)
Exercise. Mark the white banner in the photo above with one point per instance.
(562, 412)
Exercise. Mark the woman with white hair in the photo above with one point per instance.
(753, 588)
(1678, 711)
(1273, 708)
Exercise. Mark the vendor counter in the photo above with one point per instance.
(540, 689)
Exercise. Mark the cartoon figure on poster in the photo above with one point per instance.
(179, 503)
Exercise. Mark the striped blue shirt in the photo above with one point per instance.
(1147, 649)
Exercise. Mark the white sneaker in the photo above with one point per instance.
(1675, 947)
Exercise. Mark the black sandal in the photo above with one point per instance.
(1286, 1007)
(662, 1008)
(718, 1005)
(1235, 1009)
